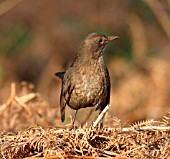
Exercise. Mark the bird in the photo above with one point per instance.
(86, 83)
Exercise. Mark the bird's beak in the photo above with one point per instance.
(111, 38)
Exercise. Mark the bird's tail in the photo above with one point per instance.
(62, 108)
(62, 114)
(60, 74)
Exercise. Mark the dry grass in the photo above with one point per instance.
(146, 139)
(25, 110)
(108, 142)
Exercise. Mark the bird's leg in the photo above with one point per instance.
(100, 125)
(71, 126)
(75, 113)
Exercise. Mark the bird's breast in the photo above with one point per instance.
(90, 85)
(91, 77)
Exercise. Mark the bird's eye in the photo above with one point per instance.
(100, 40)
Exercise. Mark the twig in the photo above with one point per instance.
(110, 153)
(10, 104)
(11, 98)
(21, 103)
(101, 116)
(78, 157)
(163, 128)
(20, 100)
(129, 151)
(27, 97)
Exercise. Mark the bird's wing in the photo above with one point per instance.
(62, 107)
(107, 90)
(108, 86)
(67, 88)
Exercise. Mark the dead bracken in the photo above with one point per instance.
(137, 141)
(143, 139)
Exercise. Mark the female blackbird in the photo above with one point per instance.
(86, 83)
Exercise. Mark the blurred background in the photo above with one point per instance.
(39, 38)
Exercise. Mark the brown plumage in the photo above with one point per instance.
(87, 82)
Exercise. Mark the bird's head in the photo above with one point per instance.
(95, 44)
